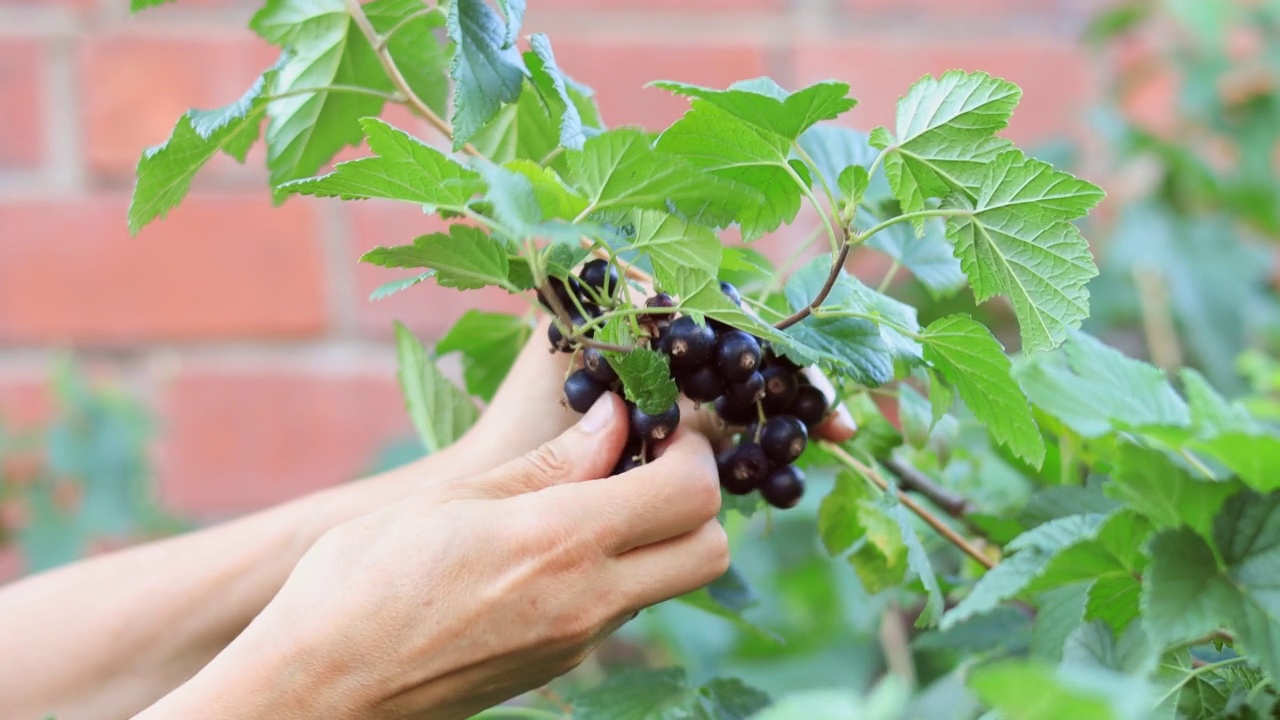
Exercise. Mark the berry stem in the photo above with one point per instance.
(933, 521)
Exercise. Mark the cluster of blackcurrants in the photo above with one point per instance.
(762, 394)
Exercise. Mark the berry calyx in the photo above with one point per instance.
(747, 392)
(602, 276)
(810, 406)
(688, 343)
(594, 362)
(742, 468)
(581, 390)
(654, 427)
(780, 389)
(703, 384)
(737, 355)
(783, 487)
(783, 438)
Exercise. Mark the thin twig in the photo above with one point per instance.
(837, 264)
(922, 512)
(404, 21)
(356, 89)
(1157, 321)
(912, 480)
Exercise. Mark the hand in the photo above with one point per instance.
(470, 593)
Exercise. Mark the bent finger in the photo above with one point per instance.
(654, 573)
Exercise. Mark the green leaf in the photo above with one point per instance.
(1094, 389)
(554, 86)
(487, 69)
(667, 695)
(466, 258)
(165, 171)
(929, 257)
(422, 59)
(915, 415)
(403, 168)
(681, 253)
(140, 5)
(1150, 482)
(520, 201)
(645, 373)
(527, 129)
(440, 411)
(489, 343)
(324, 47)
(855, 347)
(555, 199)
(1212, 414)
(944, 135)
(388, 289)
(514, 11)
(1023, 690)
(880, 557)
(1016, 239)
(1255, 458)
(766, 106)
(621, 168)
(835, 151)
(972, 360)
(1058, 614)
(917, 560)
(702, 600)
(1190, 590)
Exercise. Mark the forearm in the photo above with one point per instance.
(106, 637)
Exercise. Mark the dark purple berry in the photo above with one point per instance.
(737, 355)
(742, 468)
(783, 438)
(597, 367)
(810, 406)
(626, 463)
(688, 343)
(731, 292)
(703, 384)
(602, 276)
(661, 300)
(783, 487)
(565, 289)
(746, 392)
(772, 358)
(735, 414)
(633, 456)
(654, 427)
(780, 388)
(582, 390)
(559, 342)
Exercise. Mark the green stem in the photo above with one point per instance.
(595, 323)
(386, 37)
(889, 276)
(813, 167)
(934, 212)
(355, 89)
(780, 274)
(517, 713)
(817, 207)
(1197, 672)
(1197, 463)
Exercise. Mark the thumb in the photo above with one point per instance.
(587, 451)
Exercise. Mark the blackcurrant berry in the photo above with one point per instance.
(661, 300)
(582, 390)
(742, 468)
(688, 343)
(735, 414)
(772, 358)
(783, 487)
(731, 292)
(737, 355)
(783, 438)
(565, 289)
(703, 384)
(810, 406)
(559, 342)
(602, 276)
(654, 427)
(578, 319)
(746, 392)
(627, 462)
(597, 367)
(780, 388)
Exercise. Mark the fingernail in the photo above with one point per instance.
(598, 417)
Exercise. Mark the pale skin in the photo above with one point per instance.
(432, 591)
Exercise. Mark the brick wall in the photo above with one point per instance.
(247, 327)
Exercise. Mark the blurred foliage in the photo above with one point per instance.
(81, 482)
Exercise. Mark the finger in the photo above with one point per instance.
(838, 426)
(586, 451)
(671, 495)
(658, 572)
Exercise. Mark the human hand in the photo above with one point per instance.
(470, 593)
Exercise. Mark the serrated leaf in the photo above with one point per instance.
(645, 373)
(972, 360)
(838, 515)
(667, 695)
(1254, 458)
(915, 415)
(546, 76)
(940, 398)
(487, 69)
(403, 168)
(879, 559)
(1015, 239)
(387, 289)
(519, 205)
(761, 103)
(1190, 591)
(465, 258)
(421, 57)
(489, 343)
(1094, 389)
(1023, 690)
(441, 412)
(555, 199)
(1058, 614)
(1212, 414)
(165, 171)
(917, 561)
(835, 151)
(527, 129)
(677, 249)
(1150, 482)
(325, 47)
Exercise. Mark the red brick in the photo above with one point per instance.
(925, 12)
(619, 68)
(124, 115)
(241, 439)
(427, 308)
(21, 132)
(220, 267)
(722, 6)
(1054, 76)
(25, 400)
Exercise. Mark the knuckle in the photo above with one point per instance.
(548, 462)
(705, 491)
(717, 549)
